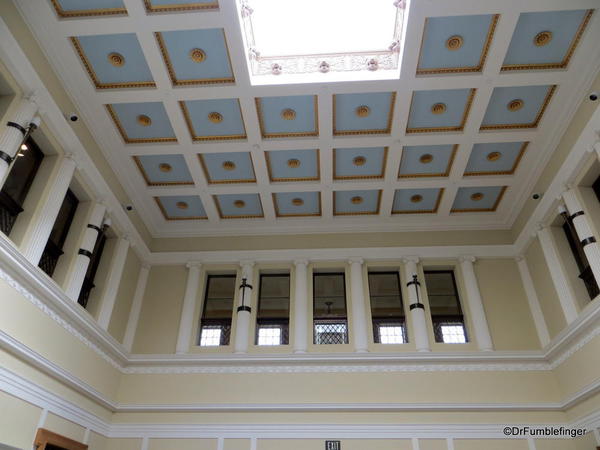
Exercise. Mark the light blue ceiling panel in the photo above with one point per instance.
(427, 160)
(222, 168)
(114, 60)
(516, 107)
(360, 202)
(357, 163)
(443, 110)
(213, 120)
(238, 206)
(181, 207)
(455, 44)
(498, 158)
(179, 5)
(164, 170)
(196, 56)
(292, 116)
(478, 199)
(545, 40)
(132, 122)
(363, 113)
(413, 201)
(84, 8)
(296, 204)
(293, 165)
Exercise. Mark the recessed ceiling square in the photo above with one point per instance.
(157, 6)
(417, 201)
(545, 40)
(427, 160)
(181, 207)
(227, 168)
(142, 122)
(195, 57)
(297, 204)
(478, 199)
(114, 61)
(359, 163)
(238, 206)
(442, 110)
(456, 44)
(355, 203)
(499, 158)
(87, 8)
(369, 113)
(164, 170)
(214, 120)
(292, 116)
(293, 165)
(517, 107)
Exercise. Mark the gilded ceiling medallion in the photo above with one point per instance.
(454, 42)
(239, 203)
(426, 158)
(293, 163)
(438, 108)
(288, 114)
(356, 200)
(476, 196)
(164, 167)
(197, 55)
(359, 161)
(363, 111)
(144, 120)
(297, 202)
(494, 156)
(515, 104)
(182, 205)
(542, 38)
(215, 117)
(228, 165)
(116, 59)
(416, 198)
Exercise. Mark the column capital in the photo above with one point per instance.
(561, 209)
(356, 260)
(146, 265)
(191, 264)
(413, 259)
(467, 258)
(301, 262)
(247, 263)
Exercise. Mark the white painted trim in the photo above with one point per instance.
(534, 302)
(186, 321)
(117, 264)
(43, 417)
(136, 307)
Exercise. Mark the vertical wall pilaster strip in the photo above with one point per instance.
(359, 319)
(301, 306)
(220, 443)
(42, 419)
(583, 228)
(450, 443)
(136, 306)
(415, 444)
(531, 443)
(186, 322)
(13, 133)
(242, 327)
(557, 274)
(597, 435)
(417, 313)
(534, 302)
(86, 436)
(145, 443)
(40, 230)
(475, 302)
(112, 283)
(82, 260)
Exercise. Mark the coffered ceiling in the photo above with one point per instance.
(454, 141)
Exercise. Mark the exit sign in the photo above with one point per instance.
(333, 445)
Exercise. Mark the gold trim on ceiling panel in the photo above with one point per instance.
(138, 163)
(502, 172)
(387, 130)
(360, 177)
(196, 138)
(87, 12)
(492, 209)
(171, 219)
(180, 7)
(264, 135)
(444, 129)
(128, 140)
(425, 175)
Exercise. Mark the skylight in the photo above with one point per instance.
(317, 40)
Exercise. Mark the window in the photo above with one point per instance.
(215, 325)
(17, 184)
(329, 308)
(58, 235)
(446, 314)
(387, 312)
(273, 315)
(88, 281)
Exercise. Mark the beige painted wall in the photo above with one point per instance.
(18, 428)
(120, 315)
(581, 369)
(505, 303)
(161, 310)
(549, 302)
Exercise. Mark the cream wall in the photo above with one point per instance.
(18, 428)
(548, 298)
(120, 314)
